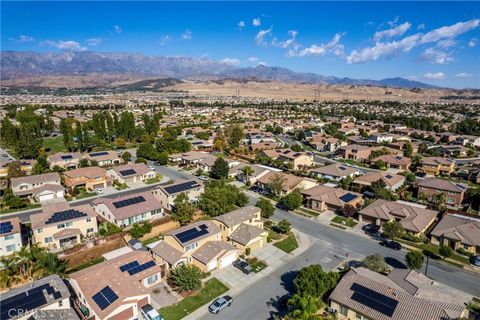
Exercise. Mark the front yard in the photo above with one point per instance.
(211, 290)
(433, 250)
(157, 178)
(349, 222)
(288, 244)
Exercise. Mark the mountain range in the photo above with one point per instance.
(25, 64)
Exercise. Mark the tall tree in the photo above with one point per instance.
(247, 172)
(219, 169)
(8, 132)
(29, 141)
(414, 259)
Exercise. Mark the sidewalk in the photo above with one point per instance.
(239, 282)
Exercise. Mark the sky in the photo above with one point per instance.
(432, 42)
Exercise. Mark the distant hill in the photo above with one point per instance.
(31, 66)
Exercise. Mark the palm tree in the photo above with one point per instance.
(247, 171)
(304, 307)
(9, 271)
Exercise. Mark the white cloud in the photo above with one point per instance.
(473, 42)
(447, 43)
(421, 26)
(261, 63)
(393, 32)
(333, 46)
(287, 43)
(387, 49)
(450, 31)
(64, 45)
(231, 61)
(253, 59)
(260, 37)
(463, 75)
(241, 24)
(187, 35)
(436, 56)
(93, 41)
(434, 76)
(256, 22)
(24, 39)
(117, 29)
(164, 39)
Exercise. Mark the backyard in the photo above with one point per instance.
(53, 144)
(211, 289)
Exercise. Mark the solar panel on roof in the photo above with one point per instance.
(97, 154)
(128, 202)
(68, 157)
(6, 227)
(26, 301)
(388, 176)
(65, 215)
(141, 267)
(105, 297)
(191, 234)
(127, 172)
(182, 187)
(128, 266)
(348, 197)
(398, 158)
(374, 300)
(342, 168)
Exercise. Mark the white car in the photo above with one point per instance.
(98, 190)
(152, 168)
(149, 313)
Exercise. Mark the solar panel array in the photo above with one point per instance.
(65, 215)
(374, 300)
(398, 158)
(6, 227)
(129, 266)
(141, 267)
(67, 157)
(19, 304)
(182, 187)
(388, 176)
(105, 297)
(348, 197)
(192, 233)
(128, 202)
(97, 154)
(127, 172)
(342, 168)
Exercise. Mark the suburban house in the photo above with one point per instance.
(65, 160)
(401, 145)
(394, 162)
(131, 173)
(335, 172)
(59, 225)
(167, 194)
(392, 181)
(458, 232)
(89, 177)
(258, 172)
(323, 143)
(127, 210)
(117, 288)
(41, 187)
(356, 152)
(104, 158)
(381, 138)
(25, 165)
(199, 243)
(321, 198)
(190, 158)
(264, 146)
(254, 137)
(402, 295)
(10, 236)
(454, 150)
(435, 166)
(299, 160)
(243, 228)
(467, 140)
(413, 217)
(46, 298)
(454, 192)
(290, 182)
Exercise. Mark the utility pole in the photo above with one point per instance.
(426, 265)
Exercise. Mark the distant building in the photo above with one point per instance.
(131, 173)
(65, 160)
(41, 187)
(457, 232)
(322, 198)
(167, 194)
(435, 166)
(454, 192)
(104, 158)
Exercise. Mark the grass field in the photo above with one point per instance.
(288, 244)
(211, 289)
(349, 222)
(53, 144)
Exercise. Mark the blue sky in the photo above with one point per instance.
(433, 42)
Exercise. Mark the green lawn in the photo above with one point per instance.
(211, 289)
(433, 249)
(53, 144)
(85, 194)
(257, 265)
(156, 179)
(309, 212)
(349, 222)
(288, 244)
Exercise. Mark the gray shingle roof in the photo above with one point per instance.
(238, 216)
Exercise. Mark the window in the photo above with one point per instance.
(10, 248)
(191, 246)
(466, 246)
(60, 303)
(40, 230)
(89, 230)
(89, 219)
(9, 237)
(69, 224)
(343, 310)
(61, 226)
(152, 279)
(48, 239)
(451, 200)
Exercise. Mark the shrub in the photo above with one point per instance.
(283, 226)
(247, 251)
(293, 200)
(266, 206)
(414, 259)
(375, 263)
(445, 251)
(186, 278)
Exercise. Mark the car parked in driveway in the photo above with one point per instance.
(220, 303)
(149, 313)
(391, 244)
(371, 228)
(243, 266)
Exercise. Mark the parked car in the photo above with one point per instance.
(476, 260)
(371, 228)
(203, 178)
(98, 190)
(149, 313)
(220, 303)
(243, 266)
(152, 168)
(391, 244)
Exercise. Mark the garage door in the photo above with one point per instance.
(45, 197)
(226, 261)
(255, 245)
